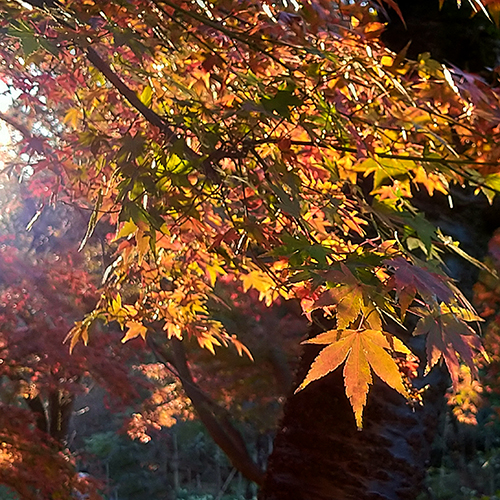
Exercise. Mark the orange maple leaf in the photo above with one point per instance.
(363, 351)
(134, 330)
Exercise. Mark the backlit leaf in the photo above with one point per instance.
(72, 117)
(146, 95)
(126, 230)
(363, 351)
(448, 337)
(135, 329)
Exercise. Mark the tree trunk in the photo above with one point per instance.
(60, 409)
(319, 454)
(53, 416)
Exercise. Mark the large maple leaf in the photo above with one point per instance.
(363, 351)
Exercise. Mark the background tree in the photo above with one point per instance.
(45, 287)
(458, 34)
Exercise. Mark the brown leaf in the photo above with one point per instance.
(448, 337)
(408, 280)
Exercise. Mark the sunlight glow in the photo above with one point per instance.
(6, 99)
(5, 102)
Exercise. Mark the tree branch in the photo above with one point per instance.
(219, 427)
(152, 117)
(14, 124)
(207, 164)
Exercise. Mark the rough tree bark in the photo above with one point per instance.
(53, 414)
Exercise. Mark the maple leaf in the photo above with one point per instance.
(207, 341)
(408, 280)
(349, 299)
(447, 336)
(431, 181)
(240, 347)
(346, 298)
(126, 230)
(134, 330)
(263, 283)
(363, 351)
(74, 336)
(72, 117)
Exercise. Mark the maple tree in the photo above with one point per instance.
(276, 147)
(45, 287)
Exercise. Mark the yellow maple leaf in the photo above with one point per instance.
(134, 330)
(208, 341)
(173, 330)
(72, 117)
(126, 230)
(116, 304)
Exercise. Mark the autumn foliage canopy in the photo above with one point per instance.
(275, 147)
